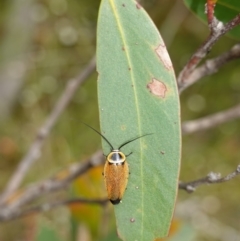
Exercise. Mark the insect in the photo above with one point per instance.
(116, 170)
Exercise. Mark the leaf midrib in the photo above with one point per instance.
(117, 17)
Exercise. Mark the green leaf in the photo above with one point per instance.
(138, 95)
(225, 10)
(46, 233)
(112, 236)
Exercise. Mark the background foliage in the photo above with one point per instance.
(56, 41)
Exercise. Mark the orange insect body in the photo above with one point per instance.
(116, 174)
(116, 170)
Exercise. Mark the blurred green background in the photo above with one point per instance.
(44, 44)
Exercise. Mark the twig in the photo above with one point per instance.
(13, 204)
(211, 121)
(34, 151)
(48, 206)
(217, 29)
(211, 66)
(210, 6)
(211, 178)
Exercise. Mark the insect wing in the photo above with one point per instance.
(116, 178)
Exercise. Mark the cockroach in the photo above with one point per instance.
(116, 170)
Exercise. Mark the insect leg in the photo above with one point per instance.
(129, 154)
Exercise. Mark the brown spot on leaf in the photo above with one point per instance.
(129, 69)
(123, 49)
(157, 88)
(162, 152)
(162, 53)
(123, 5)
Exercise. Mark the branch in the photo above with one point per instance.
(211, 121)
(211, 178)
(210, 6)
(34, 151)
(217, 29)
(211, 66)
(48, 206)
(12, 205)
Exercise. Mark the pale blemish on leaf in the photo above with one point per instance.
(138, 5)
(132, 220)
(123, 127)
(162, 53)
(157, 88)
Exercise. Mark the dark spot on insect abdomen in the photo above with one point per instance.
(114, 202)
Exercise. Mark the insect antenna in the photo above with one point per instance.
(127, 142)
(100, 135)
